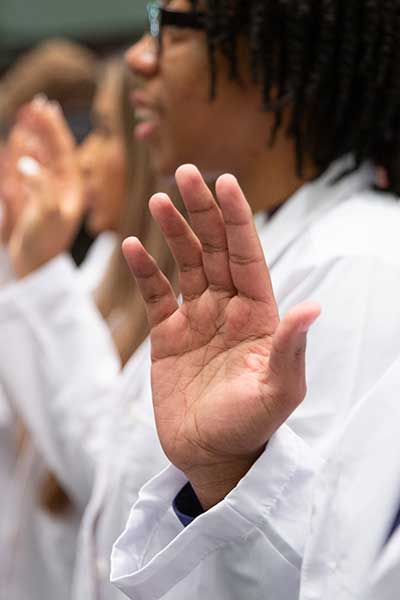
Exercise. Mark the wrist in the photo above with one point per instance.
(212, 483)
(23, 266)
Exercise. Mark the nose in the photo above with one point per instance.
(142, 57)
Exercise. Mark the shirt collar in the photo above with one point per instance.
(309, 203)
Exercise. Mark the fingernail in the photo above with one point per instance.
(55, 106)
(304, 329)
(28, 166)
(39, 100)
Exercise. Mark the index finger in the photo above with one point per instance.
(45, 119)
(247, 263)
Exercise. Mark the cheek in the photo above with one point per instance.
(200, 131)
(114, 169)
(185, 78)
(187, 119)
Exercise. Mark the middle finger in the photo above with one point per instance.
(208, 225)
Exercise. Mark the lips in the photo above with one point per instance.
(143, 114)
(147, 115)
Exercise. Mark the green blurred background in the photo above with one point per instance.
(99, 23)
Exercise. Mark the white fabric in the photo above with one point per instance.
(51, 327)
(37, 549)
(93, 424)
(92, 269)
(384, 580)
(6, 271)
(356, 498)
(134, 455)
(45, 319)
(337, 244)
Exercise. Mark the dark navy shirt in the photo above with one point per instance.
(187, 506)
(395, 526)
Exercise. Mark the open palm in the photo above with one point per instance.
(53, 200)
(226, 372)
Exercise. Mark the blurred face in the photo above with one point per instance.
(103, 161)
(175, 115)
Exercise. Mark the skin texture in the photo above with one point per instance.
(102, 160)
(226, 373)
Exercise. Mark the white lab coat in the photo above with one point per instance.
(338, 245)
(133, 456)
(30, 535)
(93, 424)
(7, 421)
(355, 501)
(96, 260)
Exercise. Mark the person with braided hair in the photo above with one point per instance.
(300, 101)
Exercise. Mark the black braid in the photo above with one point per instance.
(372, 99)
(338, 61)
(387, 39)
(349, 56)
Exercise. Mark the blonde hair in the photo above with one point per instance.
(117, 296)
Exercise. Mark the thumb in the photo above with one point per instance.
(288, 354)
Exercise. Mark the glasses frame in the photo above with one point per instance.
(160, 17)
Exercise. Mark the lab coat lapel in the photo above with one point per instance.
(357, 495)
(384, 582)
(308, 204)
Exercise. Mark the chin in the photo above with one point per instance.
(164, 170)
(164, 164)
(94, 226)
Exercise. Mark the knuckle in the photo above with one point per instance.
(241, 260)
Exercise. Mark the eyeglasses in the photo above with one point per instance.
(160, 17)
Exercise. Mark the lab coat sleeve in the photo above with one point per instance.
(59, 369)
(251, 550)
(239, 549)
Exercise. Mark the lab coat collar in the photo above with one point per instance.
(360, 491)
(308, 203)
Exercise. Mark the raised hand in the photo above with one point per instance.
(12, 193)
(226, 372)
(49, 197)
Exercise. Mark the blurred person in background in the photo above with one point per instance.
(65, 71)
(61, 69)
(47, 184)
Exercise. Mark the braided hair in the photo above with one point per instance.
(336, 61)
